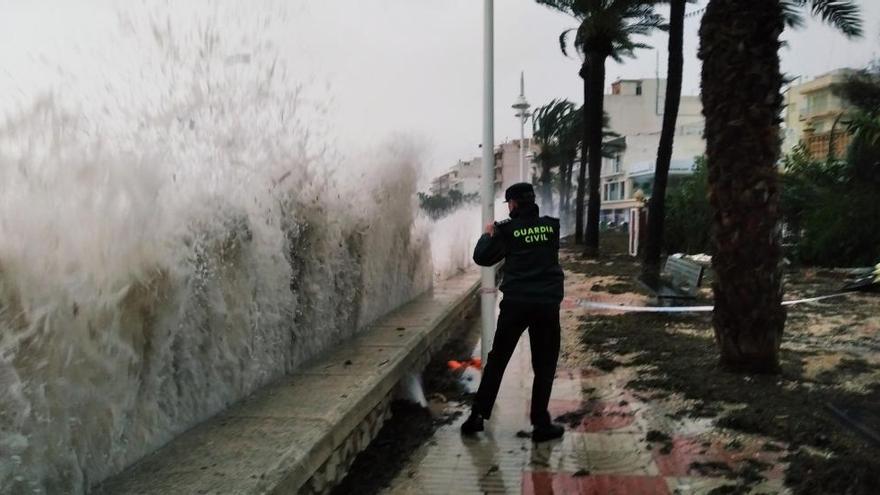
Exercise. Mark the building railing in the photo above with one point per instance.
(818, 144)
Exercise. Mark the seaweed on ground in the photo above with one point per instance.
(788, 408)
(410, 425)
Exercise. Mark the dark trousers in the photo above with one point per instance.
(542, 320)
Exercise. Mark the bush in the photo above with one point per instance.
(438, 206)
(843, 229)
(830, 209)
(688, 220)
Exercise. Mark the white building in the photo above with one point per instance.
(507, 164)
(635, 109)
(468, 176)
(464, 176)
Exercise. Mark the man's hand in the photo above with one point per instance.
(490, 229)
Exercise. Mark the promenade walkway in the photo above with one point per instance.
(618, 441)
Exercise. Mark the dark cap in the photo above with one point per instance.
(522, 191)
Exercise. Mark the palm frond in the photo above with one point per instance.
(791, 13)
(864, 126)
(564, 6)
(608, 26)
(563, 41)
(845, 15)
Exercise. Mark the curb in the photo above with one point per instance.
(301, 433)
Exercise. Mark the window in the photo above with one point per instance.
(615, 166)
(614, 191)
(639, 89)
(817, 103)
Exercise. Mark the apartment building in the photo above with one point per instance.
(635, 109)
(464, 177)
(814, 115)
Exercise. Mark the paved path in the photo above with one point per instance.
(606, 452)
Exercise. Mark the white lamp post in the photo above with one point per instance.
(487, 179)
(522, 107)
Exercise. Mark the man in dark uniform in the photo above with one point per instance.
(533, 288)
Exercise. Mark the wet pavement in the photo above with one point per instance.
(644, 440)
(606, 448)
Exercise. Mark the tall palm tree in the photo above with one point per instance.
(606, 29)
(657, 204)
(741, 83)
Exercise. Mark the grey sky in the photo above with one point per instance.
(414, 66)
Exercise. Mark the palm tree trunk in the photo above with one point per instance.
(831, 155)
(657, 204)
(569, 171)
(582, 173)
(563, 167)
(594, 137)
(546, 189)
(741, 82)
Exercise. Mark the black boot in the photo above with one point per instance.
(472, 425)
(550, 431)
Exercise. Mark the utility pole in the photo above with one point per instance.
(487, 181)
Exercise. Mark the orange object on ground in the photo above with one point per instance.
(454, 365)
(471, 363)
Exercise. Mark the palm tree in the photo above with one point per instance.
(549, 124)
(862, 91)
(570, 139)
(657, 204)
(609, 144)
(741, 83)
(606, 29)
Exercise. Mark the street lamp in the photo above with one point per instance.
(522, 107)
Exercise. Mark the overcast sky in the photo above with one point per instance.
(414, 66)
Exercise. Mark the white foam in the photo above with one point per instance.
(176, 236)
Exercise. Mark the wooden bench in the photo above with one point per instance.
(680, 279)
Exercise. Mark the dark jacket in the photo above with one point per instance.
(529, 246)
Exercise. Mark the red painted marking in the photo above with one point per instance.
(546, 483)
(687, 450)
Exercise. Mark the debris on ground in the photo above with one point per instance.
(410, 425)
(830, 356)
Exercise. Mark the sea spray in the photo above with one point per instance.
(412, 390)
(176, 238)
(453, 238)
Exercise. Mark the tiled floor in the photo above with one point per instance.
(606, 452)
